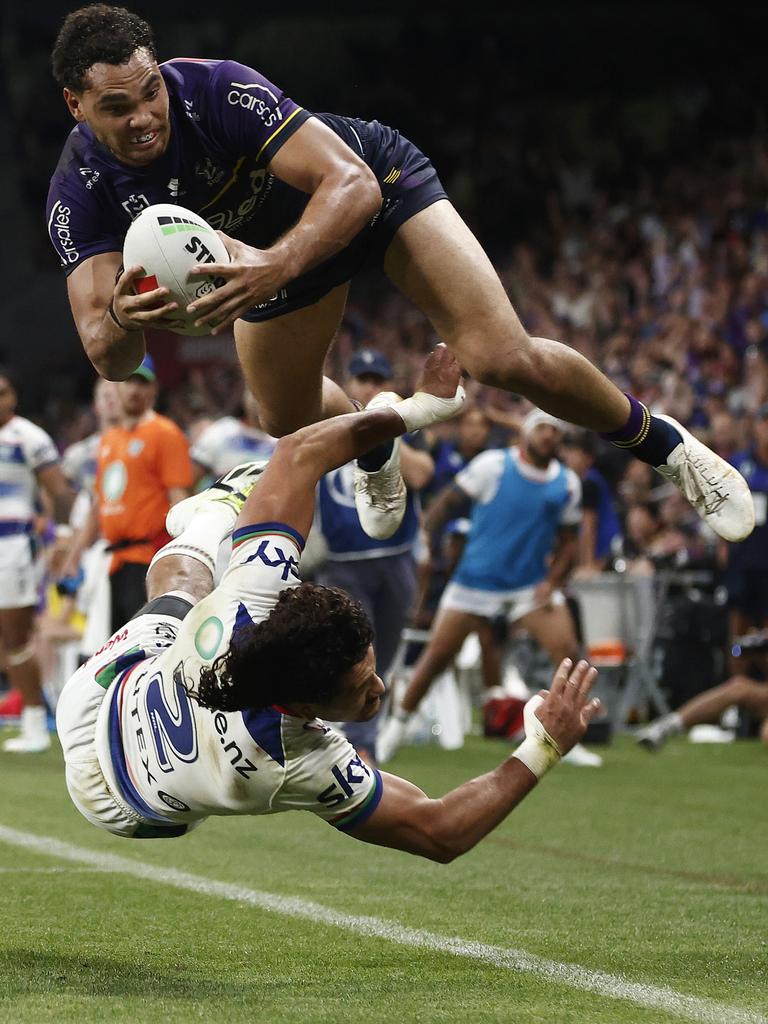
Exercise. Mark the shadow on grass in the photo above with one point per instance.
(31, 972)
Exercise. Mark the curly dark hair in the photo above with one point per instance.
(298, 654)
(97, 34)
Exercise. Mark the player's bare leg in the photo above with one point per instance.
(439, 264)
(283, 359)
(739, 691)
(23, 671)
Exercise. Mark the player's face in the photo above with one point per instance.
(126, 107)
(542, 444)
(137, 396)
(359, 697)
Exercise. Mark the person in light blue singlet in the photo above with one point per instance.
(520, 548)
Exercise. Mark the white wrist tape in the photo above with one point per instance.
(538, 751)
(422, 409)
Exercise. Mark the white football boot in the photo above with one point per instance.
(380, 495)
(717, 491)
(582, 757)
(34, 737)
(229, 491)
(654, 735)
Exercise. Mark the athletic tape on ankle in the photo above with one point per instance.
(538, 751)
(186, 551)
(421, 409)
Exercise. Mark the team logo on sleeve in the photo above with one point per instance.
(257, 98)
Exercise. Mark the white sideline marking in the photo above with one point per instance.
(613, 986)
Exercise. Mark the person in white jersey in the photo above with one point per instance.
(214, 702)
(28, 460)
(230, 441)
(521, 546)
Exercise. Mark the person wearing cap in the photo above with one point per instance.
(143, 467)
(379, 573)
(522, 542)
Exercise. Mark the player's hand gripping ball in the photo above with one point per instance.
(168, 241)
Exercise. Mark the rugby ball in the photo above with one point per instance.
(168, 241)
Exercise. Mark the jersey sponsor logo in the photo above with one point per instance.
(173, 801)
(242, 765)
(272, 555)
(114, 481)
(61, 236)
(90, 176)
(190, 111)
(255, 97)
(134, 204)
(343, 788)
(208, 637)
(229, 220)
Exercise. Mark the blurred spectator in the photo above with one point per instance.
(143, 468)
(520, 551)
(600, 529)
(380, 574)
(28, 460)
(746, 575)
(228, 441)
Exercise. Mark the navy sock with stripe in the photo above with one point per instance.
(647, 437)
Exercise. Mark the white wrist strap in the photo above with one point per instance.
(422, 409)
(538, 751)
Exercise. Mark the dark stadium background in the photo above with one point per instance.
(489, 96)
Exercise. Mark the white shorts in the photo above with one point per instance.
(80, 706)
(493, 604)
(19, 571)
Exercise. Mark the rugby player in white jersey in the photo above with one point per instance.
(29, 461)
(214, 702)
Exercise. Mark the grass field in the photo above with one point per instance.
(636, 892)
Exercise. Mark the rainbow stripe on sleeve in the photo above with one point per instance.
(362, 813)
(256, 530)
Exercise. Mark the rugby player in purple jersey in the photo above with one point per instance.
(304, 201)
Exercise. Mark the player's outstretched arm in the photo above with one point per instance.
(441, 830)
(109, 317)
(286, 491)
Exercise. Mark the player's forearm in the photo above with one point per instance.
(457, 822)
(115, 353)
(321, 447)
(336, 212)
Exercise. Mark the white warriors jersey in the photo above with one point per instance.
(172, 762)
(228, 442)
(24, 449)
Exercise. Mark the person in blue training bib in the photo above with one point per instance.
(213, 701)
(520, 549)
(304, 202)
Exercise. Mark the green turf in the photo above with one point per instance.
(653, 867)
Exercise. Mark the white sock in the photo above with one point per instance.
(201, 538)
(34, 719)
(671, 724)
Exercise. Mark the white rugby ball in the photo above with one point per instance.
(168, 241)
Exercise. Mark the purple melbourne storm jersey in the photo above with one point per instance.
(227, 122)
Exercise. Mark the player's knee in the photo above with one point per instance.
(739, 689)
(508, 364)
